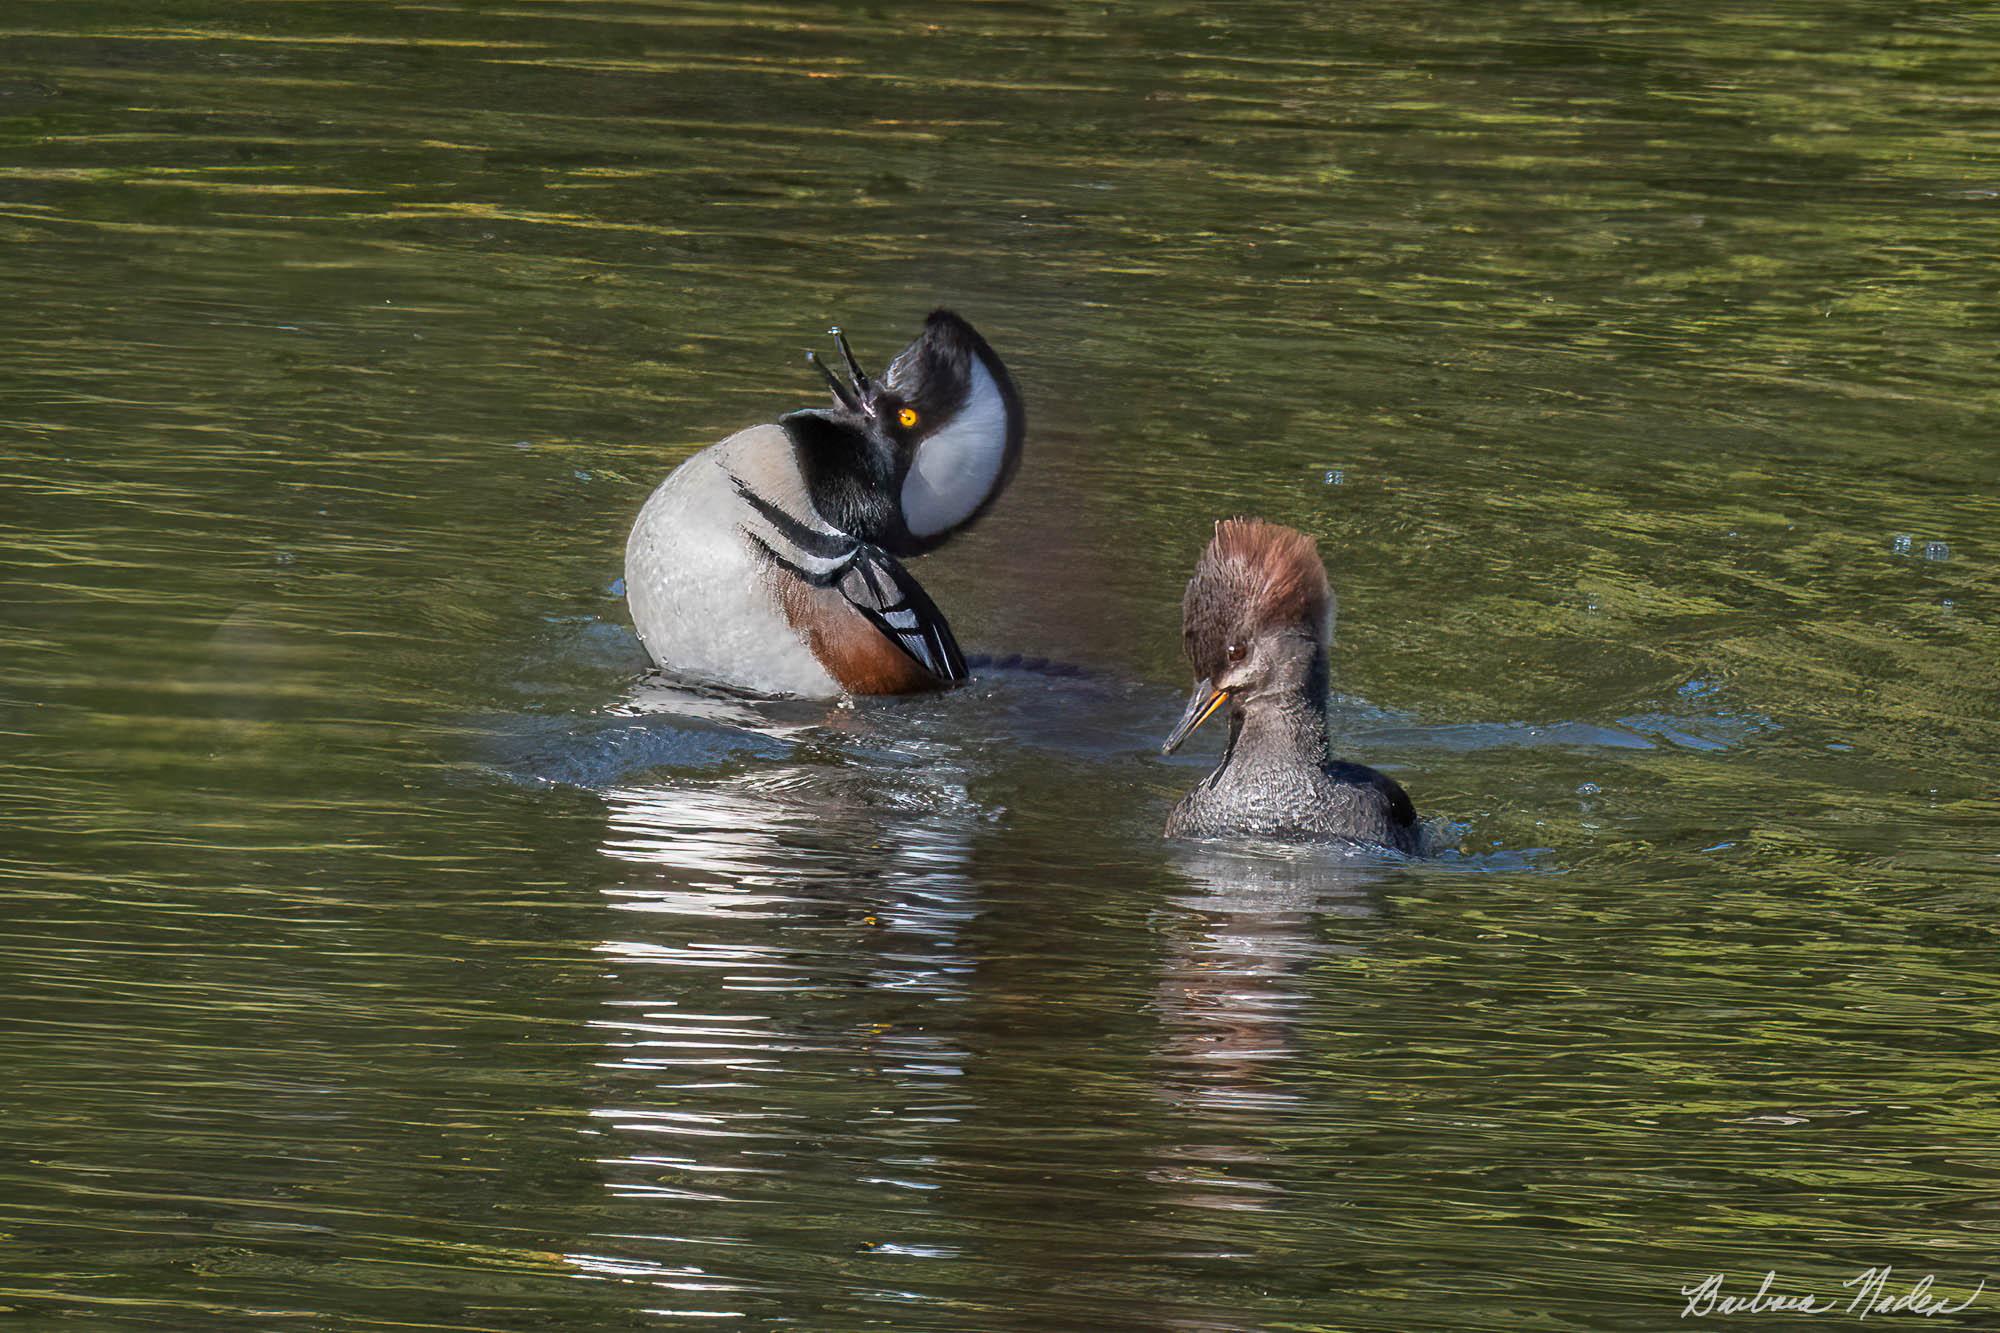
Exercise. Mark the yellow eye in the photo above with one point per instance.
(907, 417)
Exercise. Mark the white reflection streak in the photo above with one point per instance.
(769, 870)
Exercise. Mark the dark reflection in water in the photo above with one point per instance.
(383, 951)
(1231, 996)
(1231, 989)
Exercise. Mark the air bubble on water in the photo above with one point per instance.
(580, 475)
(1902, 543)
(1937, 551)
(1589, 789)
(1335, 476)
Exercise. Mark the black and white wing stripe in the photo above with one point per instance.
(883, 591)
(869, 578)
(815, 551)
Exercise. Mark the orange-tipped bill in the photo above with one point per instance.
(1205, 700)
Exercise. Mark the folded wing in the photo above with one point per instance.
(842, 594)
(883, 591)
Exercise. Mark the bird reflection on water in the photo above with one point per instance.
(849, 952)
(786, 928)
(1231, 998)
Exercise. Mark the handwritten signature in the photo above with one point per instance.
(1872, 1295)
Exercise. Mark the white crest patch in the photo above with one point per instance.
(957, 468)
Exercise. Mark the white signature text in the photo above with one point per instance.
(1873, 1292)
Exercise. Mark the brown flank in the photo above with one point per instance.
(856, 654)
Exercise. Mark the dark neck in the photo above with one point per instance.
(1289, 729)
(1284, 726)
(851, 476)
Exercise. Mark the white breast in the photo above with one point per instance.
(696, 586)
(957, 468)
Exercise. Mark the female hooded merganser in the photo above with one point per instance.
(768, 562)
(1256, 618)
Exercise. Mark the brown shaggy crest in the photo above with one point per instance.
(1253, 576)
(1275, 570)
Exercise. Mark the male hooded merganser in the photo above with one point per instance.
(1256, 619)
(769, 562)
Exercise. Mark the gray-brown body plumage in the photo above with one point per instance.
(1256, 621)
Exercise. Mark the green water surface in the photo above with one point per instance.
(380, 953)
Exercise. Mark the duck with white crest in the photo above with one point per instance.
(772, 562)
